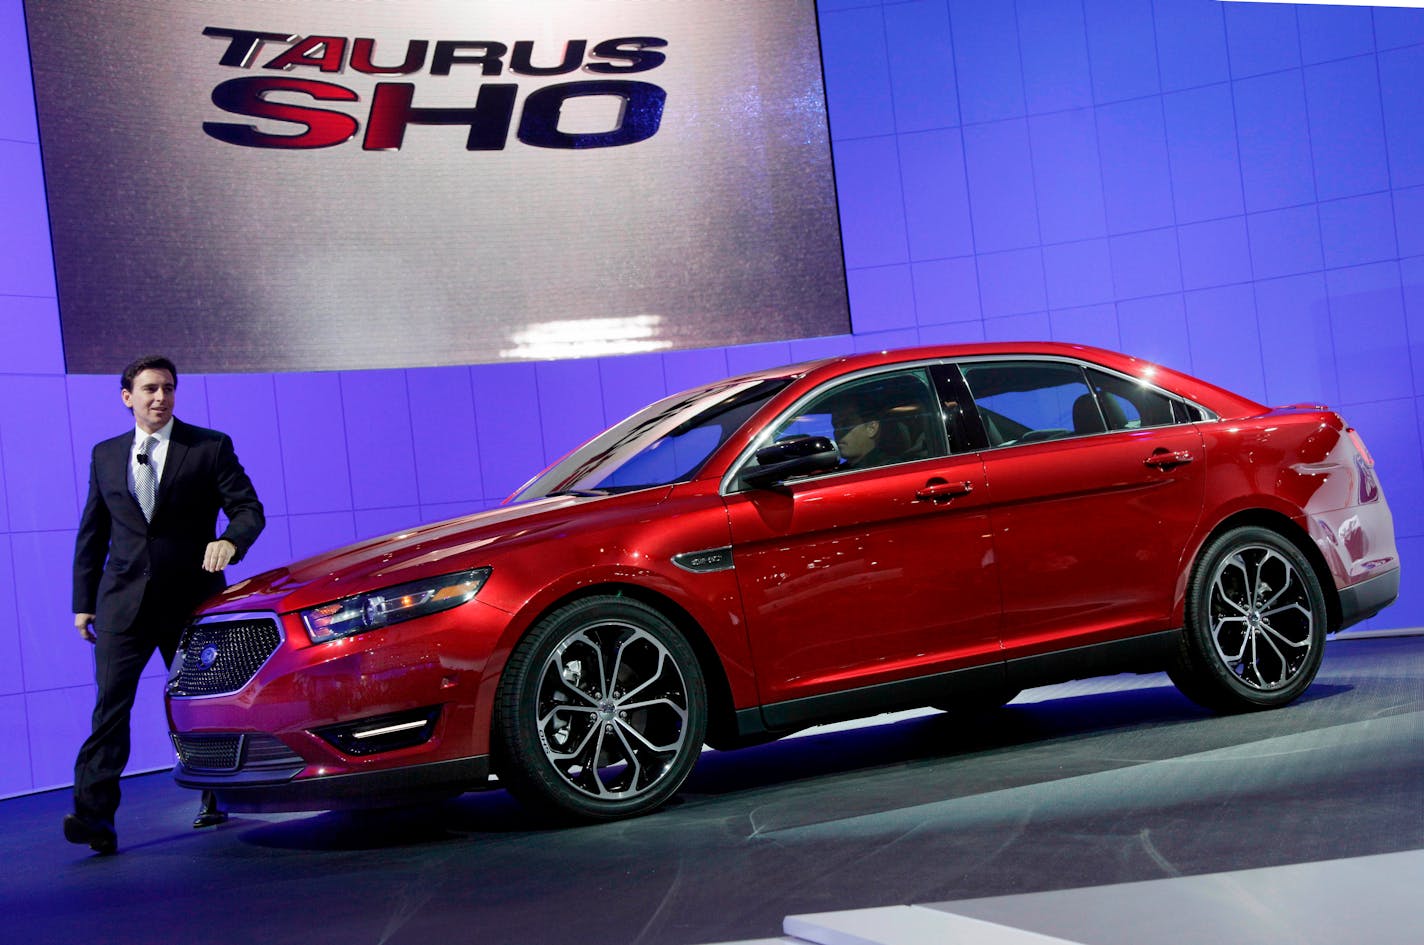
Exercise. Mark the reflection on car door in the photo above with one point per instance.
(861, 577)
(1089, 526)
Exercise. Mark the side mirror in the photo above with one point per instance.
(793, 456)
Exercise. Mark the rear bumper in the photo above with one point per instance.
(1368, 597)
(384, 788)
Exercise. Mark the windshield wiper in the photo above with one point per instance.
(576, 492)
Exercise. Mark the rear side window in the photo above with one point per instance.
(1032, 401)
(1183, 412)
(1130, 405)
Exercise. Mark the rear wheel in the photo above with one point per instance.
(601, 711)
(1255, 624)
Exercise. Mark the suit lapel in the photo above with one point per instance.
(173, 462)
(116, 459)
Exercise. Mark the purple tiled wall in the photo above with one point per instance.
(1236, 190)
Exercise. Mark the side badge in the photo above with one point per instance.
(704, 562)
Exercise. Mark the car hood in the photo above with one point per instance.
(425, 551)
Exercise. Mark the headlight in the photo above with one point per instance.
(390, 605)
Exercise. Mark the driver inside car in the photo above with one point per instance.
(865, 440)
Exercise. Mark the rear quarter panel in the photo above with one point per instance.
(1298, 463)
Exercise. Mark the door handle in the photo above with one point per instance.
(1166, 459)
(942, 490)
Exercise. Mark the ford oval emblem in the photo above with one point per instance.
(208, 657)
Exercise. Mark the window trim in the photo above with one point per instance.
(1208, 416)
(730, 485)
(729, 482)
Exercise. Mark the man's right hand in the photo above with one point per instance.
(84, 623)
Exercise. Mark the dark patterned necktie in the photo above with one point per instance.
(146, 478)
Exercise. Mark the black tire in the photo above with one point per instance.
(1255, 624)
(601, 711)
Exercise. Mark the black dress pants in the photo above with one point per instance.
(119, 660)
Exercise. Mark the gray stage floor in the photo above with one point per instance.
(1022, 820)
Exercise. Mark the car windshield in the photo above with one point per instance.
(665, 443)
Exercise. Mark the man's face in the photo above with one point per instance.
(151, 399)
(854, 437)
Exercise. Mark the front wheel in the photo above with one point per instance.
(1255, 627)
(601, 711)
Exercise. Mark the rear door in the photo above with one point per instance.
(1096, 484)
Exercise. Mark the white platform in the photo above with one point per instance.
(1374, 899)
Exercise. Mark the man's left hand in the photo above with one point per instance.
(218, 555)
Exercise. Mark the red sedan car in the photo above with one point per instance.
(940, 526)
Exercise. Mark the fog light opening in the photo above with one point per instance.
(375, 734)
(387, 729)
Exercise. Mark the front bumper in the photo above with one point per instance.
(391, 716)
(273, 791)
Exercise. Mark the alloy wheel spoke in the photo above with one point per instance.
(554, 753)
(1250, 635)
(1264, 639)
(663, 702)
(616, 668)
(583, 756)
(1221, 592)
(652, 678)
(631, 757)
(1292, 606)
(1263, 586)
(1252, 666)
(599, 658)
(1219, 632)
(1281, 638)
(614, 691)
(562, 678)
(589, 770)
(626, 730)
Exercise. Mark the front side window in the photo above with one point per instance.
(873, 421)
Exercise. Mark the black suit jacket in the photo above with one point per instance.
(119, 557)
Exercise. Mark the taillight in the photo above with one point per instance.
(1360, 446)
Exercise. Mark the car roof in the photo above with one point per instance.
(867, 359)
(1218, 399)
(809, 374)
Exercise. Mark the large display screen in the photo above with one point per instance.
(260, 185)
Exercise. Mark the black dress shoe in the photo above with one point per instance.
(100, 836)
(209, 818)
(209, 814)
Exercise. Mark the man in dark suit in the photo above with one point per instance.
(144, 558)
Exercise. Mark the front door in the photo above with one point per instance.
(875, 572)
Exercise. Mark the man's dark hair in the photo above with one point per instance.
(148, 362)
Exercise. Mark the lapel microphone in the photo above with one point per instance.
(142, 459)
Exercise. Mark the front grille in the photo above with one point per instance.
(221, 655)
(232, 752)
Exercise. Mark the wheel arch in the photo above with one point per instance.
(1289, 529)
(721, 710)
